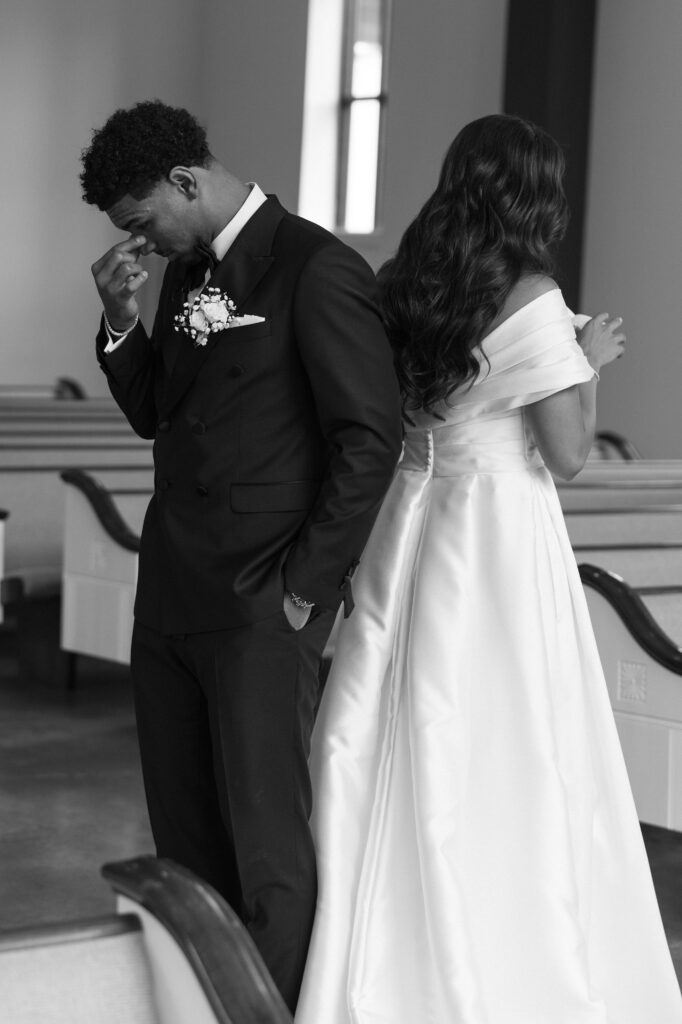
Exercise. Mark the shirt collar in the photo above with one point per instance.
(222, 242)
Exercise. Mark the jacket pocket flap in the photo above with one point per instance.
(284, 497)
(260, 329)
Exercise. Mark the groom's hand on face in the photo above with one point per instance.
(118, 277)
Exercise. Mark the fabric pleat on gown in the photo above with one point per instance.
(479, 855)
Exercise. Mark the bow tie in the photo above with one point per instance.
(195, 273)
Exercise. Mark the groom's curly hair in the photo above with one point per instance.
(137, 148)
(497, 212)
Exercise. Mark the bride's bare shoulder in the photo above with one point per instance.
(526, 289)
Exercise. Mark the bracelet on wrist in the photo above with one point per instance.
(113, 333)
(300, 602)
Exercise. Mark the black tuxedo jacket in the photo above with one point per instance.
(274, 443)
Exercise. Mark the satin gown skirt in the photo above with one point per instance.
(479, 855)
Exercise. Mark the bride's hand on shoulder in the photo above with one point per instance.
(602, 339)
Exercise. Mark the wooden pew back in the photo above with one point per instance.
(34, 498)
(102, 525)
(38, 439)
(649, 526)
(62, 389)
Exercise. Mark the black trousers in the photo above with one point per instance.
(224, 721)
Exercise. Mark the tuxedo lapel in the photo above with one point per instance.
(173, 341)
(237, 275)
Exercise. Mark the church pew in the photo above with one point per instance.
(643, 668)
(649, 525)
(15, 429)
(26, 409)
(102, 525)
(610, 445)
(31, 579)
(37, 394)
(62, 389)
(625, 472)
(623, 485)
(174, 953)
(32, 494)
(39, 437)
(644, 472)
(641, 542)
(638, 623)
(620, 497)
(620, 541)
(58, 415)
(644, 545)
(18, 410)
(642, 663)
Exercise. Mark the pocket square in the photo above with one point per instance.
(246, 320)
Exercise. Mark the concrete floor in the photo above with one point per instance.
(71, 795)
(71, 799)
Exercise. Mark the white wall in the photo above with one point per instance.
(65, 65)
(254, 78)
(633, 253)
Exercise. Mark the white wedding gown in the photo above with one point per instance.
(480, 859)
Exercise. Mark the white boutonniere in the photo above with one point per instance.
(212, 310)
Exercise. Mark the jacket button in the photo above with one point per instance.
(163, 426)
(202, 491)
(164, 485)
(236, 371)
(199, 427)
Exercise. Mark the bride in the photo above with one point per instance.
(480, 858)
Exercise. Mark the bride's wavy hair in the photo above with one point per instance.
(498, 209)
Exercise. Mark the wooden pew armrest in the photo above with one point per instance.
(209, 933)
(104, 508)
(633, 612)
(614, 441)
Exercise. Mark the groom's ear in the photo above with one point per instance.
(185, 181)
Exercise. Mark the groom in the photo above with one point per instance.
(276, 420)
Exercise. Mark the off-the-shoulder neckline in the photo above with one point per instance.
(521, 309)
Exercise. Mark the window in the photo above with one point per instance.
(345, 102)
(362, 105)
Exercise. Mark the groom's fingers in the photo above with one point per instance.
(118, 277)
(117, 274)
(133, 282)
(122, 252)
(124, 271)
